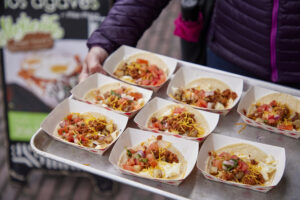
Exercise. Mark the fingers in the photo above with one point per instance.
(84, 72)
(93, 63)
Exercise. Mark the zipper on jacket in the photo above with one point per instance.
(273, 40)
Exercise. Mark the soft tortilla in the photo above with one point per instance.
(198, 116)
(151, 58)
(96, 115)
(287, 99)
(161, 143)
(243, 149)
(208, 84)
(90, 95)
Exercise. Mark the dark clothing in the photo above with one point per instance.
(126, 23)
(259, 36)
(262, 37)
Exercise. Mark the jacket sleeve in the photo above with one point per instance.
(126, 23)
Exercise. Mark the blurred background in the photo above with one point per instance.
(44, 184)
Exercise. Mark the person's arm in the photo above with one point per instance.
(125, 24)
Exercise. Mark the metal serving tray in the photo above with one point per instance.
(195, 186)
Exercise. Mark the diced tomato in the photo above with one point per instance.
(242, 166)
(201, 93)
(153, 69)
(142, 61)
(145, 82)
(270, 117)
(70, 139)
(152, 147)
(76, 120)
(178, 110)
(60, 131)
(82, 138)
(69, 117)
(271, 121)
(273, 103)
(132, 151)
(136, 95)
(202, 103)
(217, 163)
(285, 127)
(153, 163)
(234, 157)
(225, 155)
(122, 101)
(157, 125)
(99, 98)
(151, 159)
(131, 162)
(129, 168)
(66, 129)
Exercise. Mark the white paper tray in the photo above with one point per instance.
(195, 186)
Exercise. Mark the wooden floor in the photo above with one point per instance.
(44, 186)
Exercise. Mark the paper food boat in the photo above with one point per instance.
(69, 106)
(185, 76)
(133, 137)
(215, 142)
(157, 103)
(252, 95)
(97, 80)
(124, 52)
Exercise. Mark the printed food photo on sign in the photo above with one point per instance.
(41, 64)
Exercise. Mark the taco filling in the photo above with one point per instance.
(123, 99)
(141, 72)
(88, 129)
(241, 168)
(211, 99)
(178, 121)
(277, 115)
(155, 159)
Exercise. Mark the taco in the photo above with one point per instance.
(242, 163)
(207, 93)
(117, 97)
(278, 110)
(143, 69)
(89, 129)
(155, 159)
(179, 120)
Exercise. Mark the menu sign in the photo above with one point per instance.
(43, 44)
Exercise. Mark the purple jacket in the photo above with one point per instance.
(261, 36)
(126, 23)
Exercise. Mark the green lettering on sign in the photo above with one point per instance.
(22, 125)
